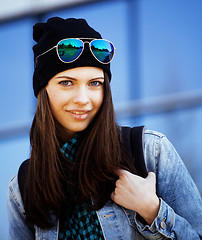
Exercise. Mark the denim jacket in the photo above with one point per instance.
(179, 216)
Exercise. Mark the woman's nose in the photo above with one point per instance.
(81, 96)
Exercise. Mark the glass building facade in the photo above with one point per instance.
(156, 76)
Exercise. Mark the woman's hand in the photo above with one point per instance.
(137, 194)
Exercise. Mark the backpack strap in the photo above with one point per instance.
(133, 139)
(22, 173)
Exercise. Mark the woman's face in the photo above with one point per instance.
(75, 97)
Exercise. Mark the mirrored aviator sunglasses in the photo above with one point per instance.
(70, 49)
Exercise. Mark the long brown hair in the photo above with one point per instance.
(90, 177)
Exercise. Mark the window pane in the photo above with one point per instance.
(16, 71)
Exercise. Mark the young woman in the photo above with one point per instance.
(80, 182)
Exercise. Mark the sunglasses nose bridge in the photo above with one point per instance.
(86, 46)
(84, 42)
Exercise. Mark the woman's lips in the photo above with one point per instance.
(79, 114)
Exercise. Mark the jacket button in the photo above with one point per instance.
(163, 224)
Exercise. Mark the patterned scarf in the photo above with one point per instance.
(81, 223)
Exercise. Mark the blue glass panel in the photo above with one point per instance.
(16, 71)
(171, 50)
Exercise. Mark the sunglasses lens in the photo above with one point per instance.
(69, 49)
(102, 49)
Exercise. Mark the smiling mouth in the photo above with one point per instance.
(79, 115)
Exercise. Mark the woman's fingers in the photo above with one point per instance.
(136, 193)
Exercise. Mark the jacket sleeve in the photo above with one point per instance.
(180, 214)
(17, 228)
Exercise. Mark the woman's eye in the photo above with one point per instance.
(96, 83)
(66, 83)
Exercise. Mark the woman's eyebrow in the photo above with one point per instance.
(67, 77)
(96, 78)
(71, 78)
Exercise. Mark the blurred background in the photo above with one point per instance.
(156, 82)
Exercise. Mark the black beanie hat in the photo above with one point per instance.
(47, 35)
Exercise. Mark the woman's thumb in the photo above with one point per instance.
(151, 177)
